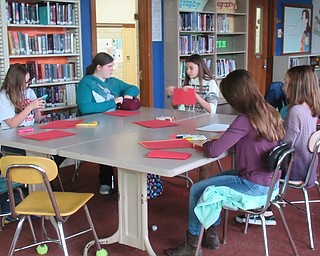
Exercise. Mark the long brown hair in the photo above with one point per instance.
(303, 87)
(204, 71)
(15, 84)
(240, 90)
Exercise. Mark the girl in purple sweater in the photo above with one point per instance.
(253, 134)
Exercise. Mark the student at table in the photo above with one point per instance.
(199, 77)
(253, 134)
(99, 92)
(303, 94)
(19, 105)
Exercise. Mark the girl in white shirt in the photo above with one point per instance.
(19, 105)
(199, 77)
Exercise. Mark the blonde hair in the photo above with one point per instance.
(303, 86)
(240, 90)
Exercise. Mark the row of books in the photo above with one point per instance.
(46, 13)
(51, 73)
(61, 115)
(200, 44)
(25, 44)
(294, 62)
(193, 21)
(223, 24)
(182, 64)
(224, 67)
(61, 95)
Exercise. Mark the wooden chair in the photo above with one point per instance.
(56, 206)
(280, 157)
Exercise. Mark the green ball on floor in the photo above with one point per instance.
(42, 249)
(102, 252)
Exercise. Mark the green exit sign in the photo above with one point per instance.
(221, 43)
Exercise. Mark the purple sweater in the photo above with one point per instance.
(251, 154)
(299, 125)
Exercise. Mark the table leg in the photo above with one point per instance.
(133, 213)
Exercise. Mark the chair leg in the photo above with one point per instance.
(264, 232)
(293, 245)
(16, 235)
(96, 239)
(225, 226)
(308, 215)
(62, 239)
(200, 241)
(246, 225)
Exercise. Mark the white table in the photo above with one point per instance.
(108, 126)
(129, 157)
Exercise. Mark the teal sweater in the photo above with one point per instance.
(91, 98)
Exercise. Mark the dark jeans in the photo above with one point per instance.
(105, 175)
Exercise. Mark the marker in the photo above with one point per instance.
(26, 130)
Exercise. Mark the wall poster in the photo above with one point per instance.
(297, 29)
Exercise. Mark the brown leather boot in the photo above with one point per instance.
(188, 248)
(211, 239)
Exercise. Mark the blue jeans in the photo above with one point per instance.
(229, 179)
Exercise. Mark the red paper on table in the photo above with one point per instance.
(184, 96)
(168, 154)
(61, 124)
(49, 135)
(122, 113)
(155, 123)
(165, 144)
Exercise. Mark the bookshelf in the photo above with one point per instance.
(282, 63)
(46, 37)
(217, 30)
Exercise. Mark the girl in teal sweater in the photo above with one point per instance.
(99, 92)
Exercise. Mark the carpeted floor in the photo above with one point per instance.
(169, 213)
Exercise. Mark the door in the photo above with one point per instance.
(261, 42)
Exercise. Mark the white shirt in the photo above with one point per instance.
(210, 93)
(7, 109)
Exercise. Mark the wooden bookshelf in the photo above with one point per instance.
(46, 37)
(224, 39)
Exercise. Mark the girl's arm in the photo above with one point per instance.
(35, 104)
(237, 130)
(203, 103)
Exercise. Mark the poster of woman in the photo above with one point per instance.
(297, 29)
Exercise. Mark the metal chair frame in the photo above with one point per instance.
(314, 147)
(278, 157)
(41, 169)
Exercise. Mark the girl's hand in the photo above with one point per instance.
(187, 87)
(127, 97)
(38, 103)
(118, 100)
(169, 90)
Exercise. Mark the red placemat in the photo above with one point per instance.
(61, 124)
(122, 113)
(163, 144)
(184, 96)
(168, 154)
(49, 135)
(156, 123)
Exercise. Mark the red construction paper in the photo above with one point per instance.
(122, 113)
(168, 154)
(61, 124)
(49, 135)
(165, 144)
(155, 123)
(184, 96)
